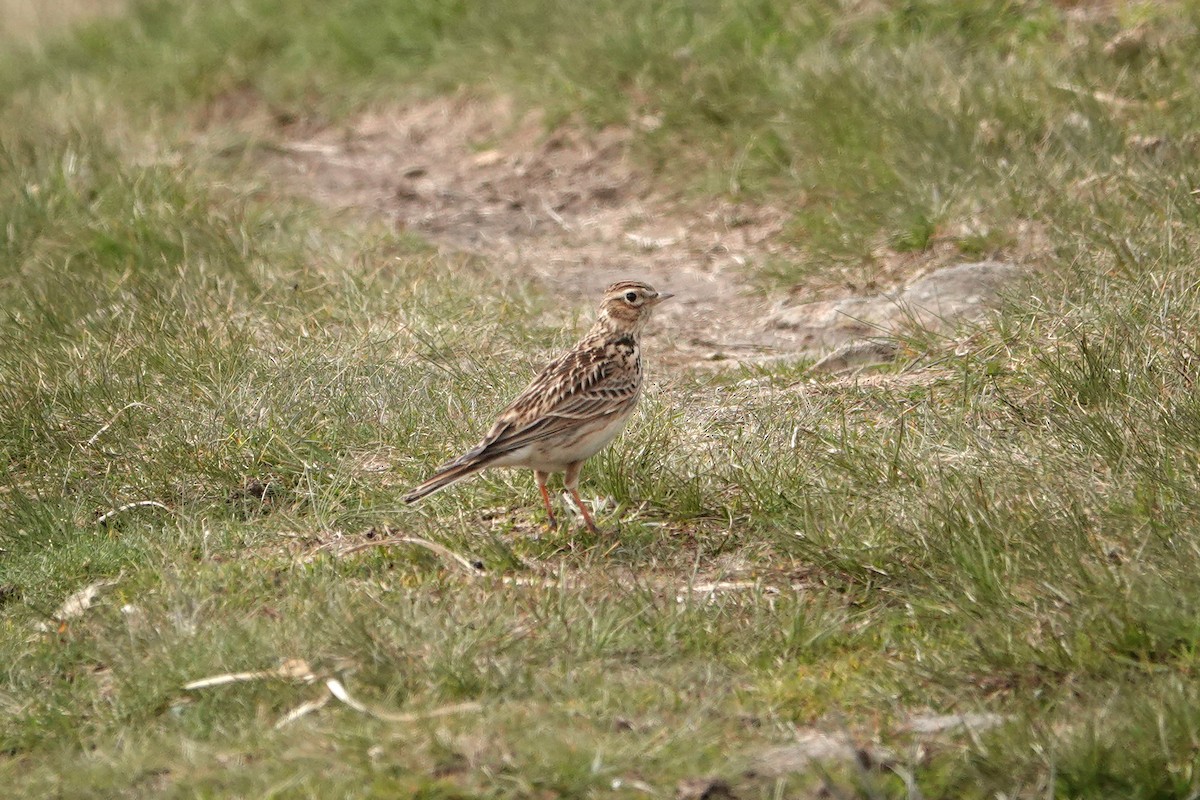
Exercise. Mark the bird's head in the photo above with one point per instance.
(627, 305)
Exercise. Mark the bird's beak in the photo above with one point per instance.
(662, 296)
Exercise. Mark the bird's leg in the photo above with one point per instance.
(571, 481)
(587, 518)
(541, 478)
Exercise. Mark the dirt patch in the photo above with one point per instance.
(568, 208)
(565, 208)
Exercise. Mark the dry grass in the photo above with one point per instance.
(30, 22)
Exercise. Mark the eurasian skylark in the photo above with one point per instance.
(575, 406)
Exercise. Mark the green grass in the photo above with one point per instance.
(990, 107)
(1015, 531)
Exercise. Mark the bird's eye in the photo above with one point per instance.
(631, 296)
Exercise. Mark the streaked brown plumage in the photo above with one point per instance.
(574, 407)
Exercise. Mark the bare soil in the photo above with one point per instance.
(567, 208)
(570, 210)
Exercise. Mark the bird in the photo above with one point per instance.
(572, 409)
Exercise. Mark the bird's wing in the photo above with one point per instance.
(582, 384)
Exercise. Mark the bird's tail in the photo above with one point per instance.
(455, 470)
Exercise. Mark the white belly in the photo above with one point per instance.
(556, 453)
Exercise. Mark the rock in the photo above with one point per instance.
(816, 747)
(935, 302)
(856, 355)
(958, 292)
(946, 723)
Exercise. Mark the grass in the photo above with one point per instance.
(1013, 531)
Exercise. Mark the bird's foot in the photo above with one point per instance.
(583, 512)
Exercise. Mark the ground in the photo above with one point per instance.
(565, 210)
(267, 263)
(568, 211)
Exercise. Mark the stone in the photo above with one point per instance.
(813, 747)
(857, 355)
(929, 724)
(937, 302)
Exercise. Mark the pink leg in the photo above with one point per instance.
(541, 478)
(572, 483)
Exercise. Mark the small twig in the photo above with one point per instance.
(651, 242)
(292, 669)
(433, 547)
(82, 600)
(712, 589)
(526, 580)
(302, 710)
(298, 670)
(310, 148)
(555, 216)
(728, 586)
(76, 604)
(339, 691)
(103, 518)
(1102, 97)
(111, 421)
